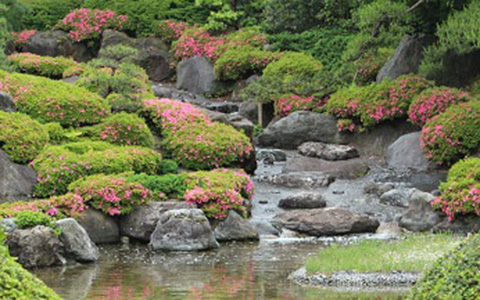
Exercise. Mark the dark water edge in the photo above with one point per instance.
(235, 271)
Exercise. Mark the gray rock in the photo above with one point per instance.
(328, 151)
(377, 188)
(152, 53)
(101, 228)
(305, 200)
(264, 227)
(237, 95)
(461, 224)
(238, 122)
(183, 230)
(249, 110)
(340, 169)
(397, 197)
(6, 103)
(36, 247)
(16, 181)
(271, 155)
(47, 43)
(390, 229)
(406, 152)
(196, 75)
(407, 57)
(71, 79)
(420, 216)
(76, 241)
(142, 220)
(235, 228)
(299, 179)
(300, 127)
(8, 225)
(325, 222)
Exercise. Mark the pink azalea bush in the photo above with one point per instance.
(47, 66)
(219, 191)
(434, 101)
(58, 166)
(460, 194)
(192, 139)
(453, 134)
(345, 125)
(22, 37)
(111, 194)
(197, 42)
(290, 103)
(171, 30)
(86, 24)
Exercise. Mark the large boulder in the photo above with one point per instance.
(406, 152)
(183, 230)
(235, 228)
(397, 197)
(304, 200)
(407, 57)
(196, 75)
(328, 151)
(152, 53)
(100, 228)
(249, 110)
(325, 222)
(341, 169)
(16, 181)
(142, 220)
(298, 128)
(76, 242)
(308, 180)
(420, 216)
(6, 103)
(36, 247)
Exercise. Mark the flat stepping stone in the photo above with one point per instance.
(328, 151)
(304, 200)
(299, 179)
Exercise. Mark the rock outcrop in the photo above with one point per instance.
(235, 228)
(100, 228)
(406, 152)
(76, 242)
(305, 200)
(16, 181)
(328, 151)
(196, 75)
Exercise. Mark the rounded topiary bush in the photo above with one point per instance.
(54, 101)
(122, 129)
(461, 191)
(434, 101)
(58, 166)
(454, 276)
(47, 66)
(293, 64)
(21, 137)
(453, 134)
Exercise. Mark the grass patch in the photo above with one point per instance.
(412, 254)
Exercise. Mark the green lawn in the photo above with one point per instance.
(413, 253)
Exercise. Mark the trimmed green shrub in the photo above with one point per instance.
(58, 166)
(29, 219)
(454, 276)
(168, 166)
(453, 134)
(54, 101)
(45, 14)
(119, 53)
(166, 186)
(293, 64)
(241, 62)
(461, 192)
(21, 137)
(58, 135)
(122, 129)
(112, 194)
(434, 101)
(52, 67)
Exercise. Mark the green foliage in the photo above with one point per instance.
(30, 219)
(293, 64)
(45, 14)
(168, 166)
(13, 11)
(453, 134)
(119, 53)
(58, 135)
(52, 67)
(170, 186)
(54, 101)
(21, 137)
(454, 276)
(122, 129)
(58, 166)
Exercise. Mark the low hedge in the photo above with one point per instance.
(454, 276)
(52, 67)
(291, 65)
(192, 139)
(460, 194)
(434, 101)
(122, 129)
(165, 187)
(453, 134)
(58, 166)
(21, 137)
(54, 101)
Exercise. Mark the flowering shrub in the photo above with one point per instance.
(345, 125)
(461, 192)
(47, 66)
(122, 129)
(29, 219)
(76, 70)
(22, 37)
(113, 195)
(293, 64)
(165, 187)
(21, 137)
(290, 103)
(219, 191)
(241, 62)
(58, 166)
(197, 42)
(53, 101)
(434, 101)
(86, 24)
(170, 30)
(376, 103)
(192, 139)
(452, 134)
